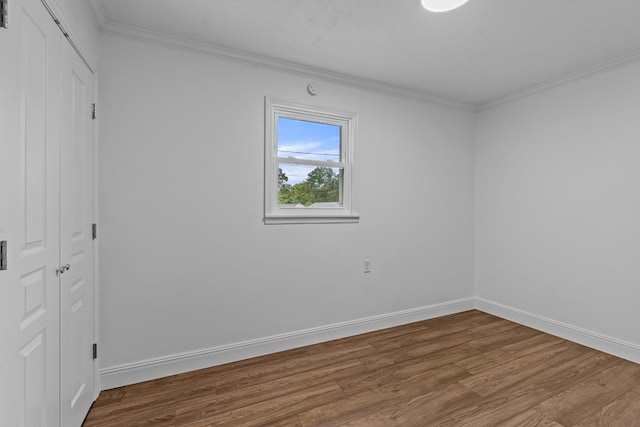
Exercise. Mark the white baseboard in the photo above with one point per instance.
(131, 373)
(585, 337)
(118, 376)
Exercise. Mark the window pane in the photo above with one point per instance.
(306, 140)
(309, 186)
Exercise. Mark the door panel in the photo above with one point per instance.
(34, 362)
(76, 244)
(36, 236)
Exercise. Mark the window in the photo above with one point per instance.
(309, 164)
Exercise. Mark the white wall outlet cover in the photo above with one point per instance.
(312, 89)
(366, 266)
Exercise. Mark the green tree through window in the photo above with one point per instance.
(321, 185)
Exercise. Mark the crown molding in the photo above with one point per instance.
(97, 13)
(109, 28)
(113, 29)
(566, 78)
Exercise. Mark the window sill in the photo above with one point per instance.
(310, 219)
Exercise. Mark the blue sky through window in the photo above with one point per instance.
(306, 140)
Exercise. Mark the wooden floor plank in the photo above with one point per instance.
(518, 370)
(483, 361)
(431, 329)
(529, 418)
(507, 337)
(401, 370)
(496, 408)
(239, 378)
(565, 374)
(389, 392)
(195, 409)
(467, 369)
(574, 404)
(622, 412)
(420, 411)
(440, 344)
(272, 410)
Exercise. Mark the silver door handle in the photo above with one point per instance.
(62, 269)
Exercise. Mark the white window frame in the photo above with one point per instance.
(273, 213)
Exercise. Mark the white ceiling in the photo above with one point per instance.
(486, 51)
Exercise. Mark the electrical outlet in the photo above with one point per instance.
(366, 266)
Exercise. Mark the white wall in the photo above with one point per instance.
(187, 264)
(558, 207)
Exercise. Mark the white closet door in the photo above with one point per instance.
(76, 243)
(46, 315)
(34, 221)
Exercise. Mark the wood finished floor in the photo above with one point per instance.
(467, 369)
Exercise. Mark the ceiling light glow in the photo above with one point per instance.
(442, 5)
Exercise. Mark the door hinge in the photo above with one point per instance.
(94, 231)
(4, 13)
(94, 111)
(3, 255)
(95, 351)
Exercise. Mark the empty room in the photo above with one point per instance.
(319, 213)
